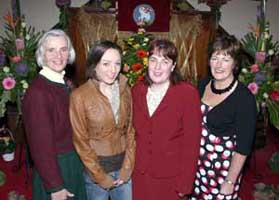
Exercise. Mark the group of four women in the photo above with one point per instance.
(155, 141)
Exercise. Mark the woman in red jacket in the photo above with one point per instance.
(167, 120)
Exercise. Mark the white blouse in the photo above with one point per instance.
(154, 97)
(115, 100)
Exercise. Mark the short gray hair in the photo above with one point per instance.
(40, 52)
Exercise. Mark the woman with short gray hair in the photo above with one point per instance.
(58, 170)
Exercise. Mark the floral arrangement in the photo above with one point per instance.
(261, 75)
(17, 61)
(135, 56)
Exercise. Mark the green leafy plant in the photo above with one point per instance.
(17, 60)
(135, 56)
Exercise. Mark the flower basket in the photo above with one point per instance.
(7, 144)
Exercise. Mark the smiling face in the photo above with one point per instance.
(56, 53)
(221, 66)
(159, 68)
(108, 68)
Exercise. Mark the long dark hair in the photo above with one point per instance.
(167, 49)
(95, 55)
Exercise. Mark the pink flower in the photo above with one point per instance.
(255, 68)
(19, 44)
(16, 59)
(253, 87)
(8, 83)
(274, 95)
(260, 56)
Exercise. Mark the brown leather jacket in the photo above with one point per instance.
(97, 134)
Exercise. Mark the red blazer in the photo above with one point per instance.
(168, 141)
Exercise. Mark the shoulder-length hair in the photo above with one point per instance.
(95, 55)
(40, 52)
(167, 49)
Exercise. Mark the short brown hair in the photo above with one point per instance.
(229, 46)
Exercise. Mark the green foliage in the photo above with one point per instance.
(135, 56)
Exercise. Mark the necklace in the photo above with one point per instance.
(221, 91)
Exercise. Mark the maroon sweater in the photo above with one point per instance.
(48, 128)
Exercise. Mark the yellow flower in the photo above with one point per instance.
(136, 46)
(145, 61)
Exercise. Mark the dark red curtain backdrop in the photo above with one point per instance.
(162, 15)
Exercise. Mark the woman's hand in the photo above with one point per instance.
(107, 183)
(61, 195)
(118, 182)
(227, 188)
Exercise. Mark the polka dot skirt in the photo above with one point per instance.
(213, 164)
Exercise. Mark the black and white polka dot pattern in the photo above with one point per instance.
(213, 164)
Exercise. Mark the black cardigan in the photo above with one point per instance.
(235, 115)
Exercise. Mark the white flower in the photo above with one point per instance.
(144, 44)
(266, 35)
(146, 39)
(265, 95)
(270, 52)
(27, 37)
(244, 70)
(23, 24)
(6, 69)
(25, 85)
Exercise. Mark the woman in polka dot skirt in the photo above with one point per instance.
(229, 118)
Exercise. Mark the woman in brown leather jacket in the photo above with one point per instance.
(100, 113)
